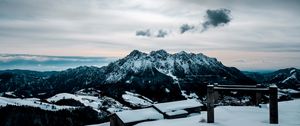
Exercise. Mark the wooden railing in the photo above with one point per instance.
(212, 90)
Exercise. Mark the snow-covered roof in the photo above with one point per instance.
(139, 115)
(178, 105)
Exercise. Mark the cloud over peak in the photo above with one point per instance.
(215, 18)
(161, 33)
(186, 27)
(212, 18)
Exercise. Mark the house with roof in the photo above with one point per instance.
(131, 117)
(168, 110)
(178, 109)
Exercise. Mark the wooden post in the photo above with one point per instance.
(216, 97)
(273, 105)
(216, 94)
(210, 104)
(258, 96)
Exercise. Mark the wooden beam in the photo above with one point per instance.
(241, 89)
(237, 86)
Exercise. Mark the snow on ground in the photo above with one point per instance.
(136, 99)
(190, 96)
(139, 115)
(95, 102)
(11, 93)
(289, 91)
(33, 102)
(289, 113)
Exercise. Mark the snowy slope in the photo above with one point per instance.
(33, 102)
(95, 102)
(291, 77)
(136, 99)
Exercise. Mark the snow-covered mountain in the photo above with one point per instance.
(177, 66)
(159, 73)
(283, 78)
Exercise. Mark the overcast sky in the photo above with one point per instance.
(261, 34)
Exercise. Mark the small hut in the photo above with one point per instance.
(178, 109)
(132, 117)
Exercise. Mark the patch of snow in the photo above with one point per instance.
(136, 99)
(89, 91)
(42, 93)
(290, 91)
(191, 96)
(33, 102)
(167, 90)
(292, 71)
(11, 93)
(128, 82)
(293, 76)
(139, 115)
(92, 101)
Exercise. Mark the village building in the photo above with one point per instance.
(168, 110)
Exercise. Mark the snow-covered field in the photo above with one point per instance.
(136, 99)
(95, 102)
(33, 102)
(289, 113)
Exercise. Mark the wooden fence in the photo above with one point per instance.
(212, 90)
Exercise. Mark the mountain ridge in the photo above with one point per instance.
(149, 74)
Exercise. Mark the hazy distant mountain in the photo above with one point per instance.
(49, 63)
(283, 78)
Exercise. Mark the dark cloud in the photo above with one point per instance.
(161, 33)
(215, 18)
(186, 27)
(148, 33)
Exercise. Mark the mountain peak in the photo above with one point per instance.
(160, 52)
(136, 53)
(182, 52)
